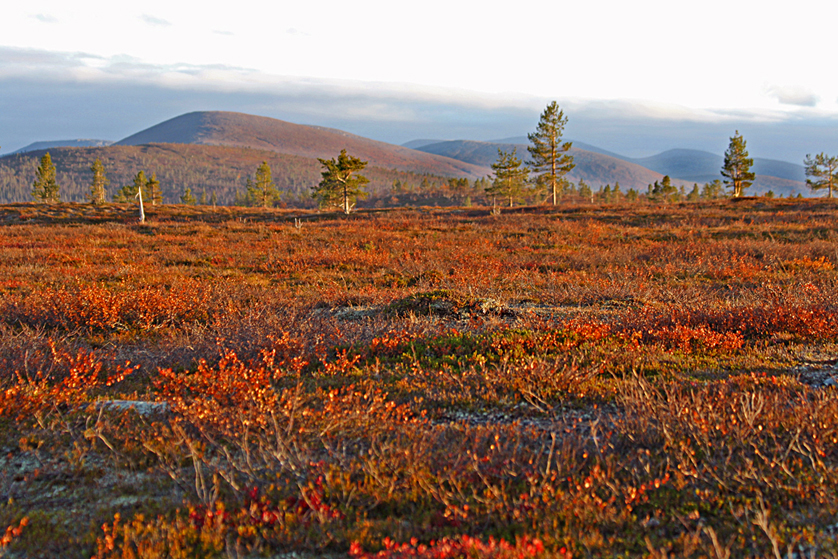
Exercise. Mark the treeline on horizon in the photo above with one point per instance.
(221, 173)
(207, 170)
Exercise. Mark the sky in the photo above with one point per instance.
(635, 77)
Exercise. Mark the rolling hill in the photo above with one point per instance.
(35, 146)
(217, 128)
(595, 169)
(599, 167)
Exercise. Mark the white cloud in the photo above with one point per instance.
(793, 95)
(44, 18)
(154, 21)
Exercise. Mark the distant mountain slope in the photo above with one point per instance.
(703, 166)
(595, 169)
(524, 141)
(81, 143)
(599, 167)
(416, 144)
(202, 168)
(257, 132)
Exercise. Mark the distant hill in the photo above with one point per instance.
(220, 128)
(703, 166)
(416, 144)
(599, 167)
(35, 146)
(524, 141)
(595, 169)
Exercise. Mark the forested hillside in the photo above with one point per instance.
(204, 169)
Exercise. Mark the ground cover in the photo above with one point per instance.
(633, 381)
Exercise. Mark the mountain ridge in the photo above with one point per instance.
(76, 143)
(684, 166)
(257, 132)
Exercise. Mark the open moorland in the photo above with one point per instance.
(580, 381)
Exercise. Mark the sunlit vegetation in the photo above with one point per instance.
(586, 380)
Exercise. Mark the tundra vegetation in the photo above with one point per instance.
(637, 380)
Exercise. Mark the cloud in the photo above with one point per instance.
(793, 95)
(154, 21)
(77, 94)
(44, 18)
(225, 33)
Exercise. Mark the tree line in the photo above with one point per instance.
(551, 162)
(542, 179)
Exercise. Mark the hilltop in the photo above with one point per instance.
(218, 128)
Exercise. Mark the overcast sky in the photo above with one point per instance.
(633, 77)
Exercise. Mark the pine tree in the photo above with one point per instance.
(154, 192)
(97, 186)
(712, 190)
(694, 194)
(825, 171)
(128, 192)
(737, 166)
(668, 191)
(510, 177)
(585, 191)
(261, 191)
(341, 186)
(550, 158)
(45, 188)
(187, 197)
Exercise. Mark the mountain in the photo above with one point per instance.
(35, 146)
(524, 141)
(599, 167)
(257, 132)
(416, 144)
(703, 166)
(596, 169)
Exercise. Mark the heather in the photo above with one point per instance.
(588, 380)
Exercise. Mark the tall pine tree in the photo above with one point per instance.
(45, 188)
(737, 166)
(550, 158)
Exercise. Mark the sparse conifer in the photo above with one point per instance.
(97, 186)
(341, 186)
(45, 188)
(824, 170)
(510, 177)
(550, 158)
(737, 166)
